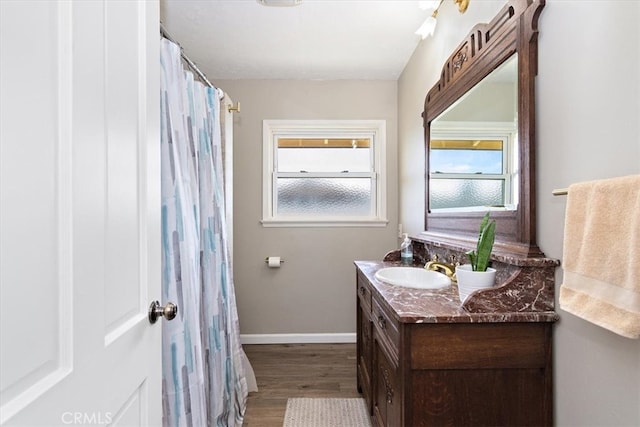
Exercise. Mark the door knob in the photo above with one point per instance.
(169, 311)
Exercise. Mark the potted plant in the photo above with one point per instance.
(477, 274)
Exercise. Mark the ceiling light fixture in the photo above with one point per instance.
(429, 26)
(280, 3)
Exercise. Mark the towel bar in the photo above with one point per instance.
(560, 192)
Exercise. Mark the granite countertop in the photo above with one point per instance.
(439, 305)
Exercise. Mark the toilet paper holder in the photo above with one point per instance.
(266, 260)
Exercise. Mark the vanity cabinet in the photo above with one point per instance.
(416, 370)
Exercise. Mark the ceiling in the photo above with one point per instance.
(316, 40)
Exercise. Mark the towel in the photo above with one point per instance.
(601, 256)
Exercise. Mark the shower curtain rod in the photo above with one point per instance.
(189, 62)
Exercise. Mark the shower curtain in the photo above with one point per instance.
(203, 376)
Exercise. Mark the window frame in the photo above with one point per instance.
(272, 130)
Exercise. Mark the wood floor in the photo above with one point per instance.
(297, 370)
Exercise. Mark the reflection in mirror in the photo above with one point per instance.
(473, 156)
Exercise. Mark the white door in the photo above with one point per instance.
(80, 213)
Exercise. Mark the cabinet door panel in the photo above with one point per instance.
(365, 340)
(480, 397)
(387, 394)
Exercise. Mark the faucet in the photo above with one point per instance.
(448, 269)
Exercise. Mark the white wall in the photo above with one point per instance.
(588, 115)
(588, 128)
(314, 290)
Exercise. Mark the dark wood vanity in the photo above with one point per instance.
(424, 358)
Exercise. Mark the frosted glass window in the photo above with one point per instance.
(324, 196)
(324, 173)
(323, 177)
(460, 193)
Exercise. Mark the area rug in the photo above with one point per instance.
(317, 412)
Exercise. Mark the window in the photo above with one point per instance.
(472, 168)
(324, 173)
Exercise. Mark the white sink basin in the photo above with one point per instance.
(413, 277)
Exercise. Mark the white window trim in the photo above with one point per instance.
(273, 129)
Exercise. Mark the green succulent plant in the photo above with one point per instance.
(479, 258)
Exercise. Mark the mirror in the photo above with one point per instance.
(473, 155)
(479, 121)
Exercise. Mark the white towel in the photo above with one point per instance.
(601, 257)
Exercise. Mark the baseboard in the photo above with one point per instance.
(298, 338)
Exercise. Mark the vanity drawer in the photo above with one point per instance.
(480, 346)
(386, 324)
(364, 294)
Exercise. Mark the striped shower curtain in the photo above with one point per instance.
(203, 378)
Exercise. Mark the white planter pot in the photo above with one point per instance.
(470, 281)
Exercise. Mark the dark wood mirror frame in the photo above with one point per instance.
(513, 30)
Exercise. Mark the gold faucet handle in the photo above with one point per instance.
(429, 264)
